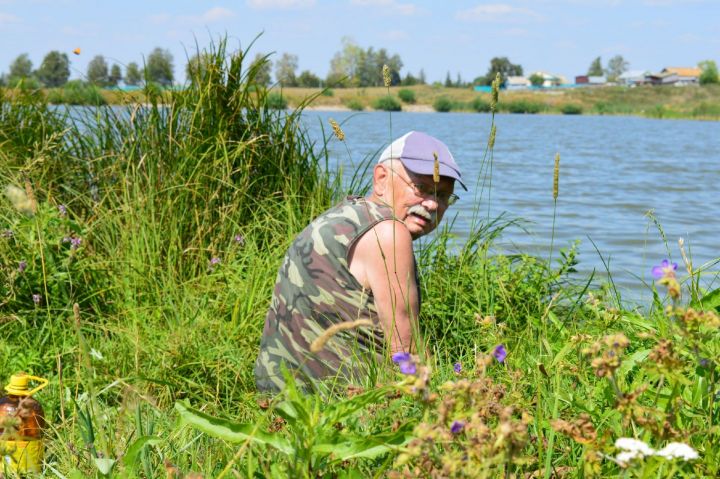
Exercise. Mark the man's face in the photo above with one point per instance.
(417, 200)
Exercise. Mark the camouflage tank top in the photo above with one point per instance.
(315, 290)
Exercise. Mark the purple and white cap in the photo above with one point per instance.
(415, 149)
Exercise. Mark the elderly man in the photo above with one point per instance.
(355, 262)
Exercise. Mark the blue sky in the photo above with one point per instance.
(459, 36)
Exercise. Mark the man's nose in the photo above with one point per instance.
(431, 203)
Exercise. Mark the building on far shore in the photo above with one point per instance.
(634, 78)
(517, 83)
(684, 75)
(590, 80)
(550, 80)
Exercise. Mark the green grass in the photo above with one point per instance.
(165, 336)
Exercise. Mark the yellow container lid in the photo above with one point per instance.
(18, 385)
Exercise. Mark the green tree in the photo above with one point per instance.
(421, 77)
(197, 66)
(115, 75)
(308, 79)
(97, 71)
(346, 64)
(264, 67)
(285, 68)
(54, 70)
(133, 77)
(596, 68)
(448, 80)
(536, 79)
(709, 72)
(20, 68)
(159, 67)
(616, 66)
(504, 67)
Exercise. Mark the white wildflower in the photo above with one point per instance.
(678, 450)
(626, 456)
(636, 446)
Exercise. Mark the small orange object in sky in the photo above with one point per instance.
(76, 51)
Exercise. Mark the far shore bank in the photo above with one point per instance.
(690, 102)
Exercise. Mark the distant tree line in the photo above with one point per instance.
(352, 66)
(54, 71)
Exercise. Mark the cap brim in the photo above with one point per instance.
(425, 167)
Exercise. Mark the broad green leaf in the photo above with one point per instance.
(709, 300)
(561, 354)
(338, 411)
(368, 447)
(136, 447)
(630, 362)
(231, 431)
(104, 464)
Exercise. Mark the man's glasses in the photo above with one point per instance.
(421, 189)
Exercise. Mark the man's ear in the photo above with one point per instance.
(380, 180)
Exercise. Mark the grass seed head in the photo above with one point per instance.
(339, 134)
(556, 176)
(387, 79)
(319, 343)
(436, 169)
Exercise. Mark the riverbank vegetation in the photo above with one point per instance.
(138, 250)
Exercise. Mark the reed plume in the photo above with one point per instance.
(319, 343)
(556, 176)
(491, 140)
(436, 169)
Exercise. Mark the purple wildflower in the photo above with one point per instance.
(457, 367)
(66, 239)
(408, 367)
(500, 353)
(36, 298)
(664, 269)
(214, 260)
(704, 362)
(7, 234)
(62, 210)
(22, 265)
(457, 427)
(240, 239)
(400, 357)
(75, 242)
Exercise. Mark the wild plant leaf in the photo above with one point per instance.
(709, 300)
(136, 448)
(339, 411)
(367, 447)
(287, 411)
(631, 361)
(104, 464)
(561, 354)
(231, 431)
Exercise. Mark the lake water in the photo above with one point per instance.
(613, 171)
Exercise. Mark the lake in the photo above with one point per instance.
(613, 171)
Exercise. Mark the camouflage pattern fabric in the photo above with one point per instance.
(314, 290)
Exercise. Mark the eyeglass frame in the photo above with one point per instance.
(422, 190)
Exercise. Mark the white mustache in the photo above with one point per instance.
(420, 210)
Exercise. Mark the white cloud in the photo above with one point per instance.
(8, 19)
(395, 35)
(498, 13)
(390, 6)
(215, 14)
(280, 4)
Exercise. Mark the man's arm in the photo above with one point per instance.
(382, 260)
